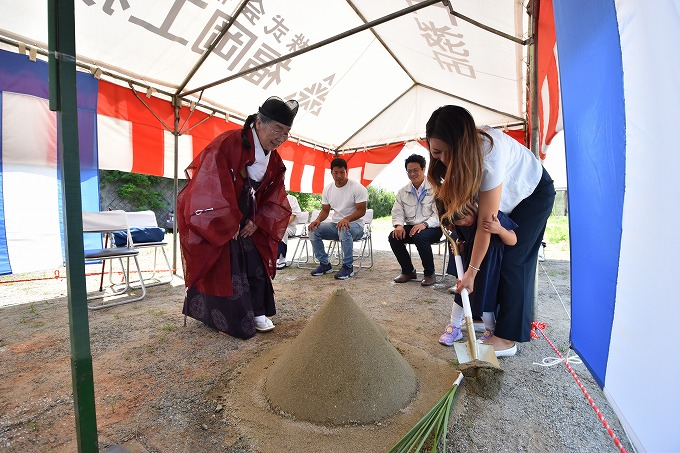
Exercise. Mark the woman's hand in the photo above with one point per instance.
(467, 282)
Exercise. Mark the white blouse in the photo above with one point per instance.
(513, 165)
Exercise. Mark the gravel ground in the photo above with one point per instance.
(163, 387)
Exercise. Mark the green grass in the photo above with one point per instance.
(557, 233)
(557, 230)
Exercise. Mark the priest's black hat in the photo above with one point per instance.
(279, 110)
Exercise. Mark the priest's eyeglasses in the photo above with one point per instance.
(278, 134)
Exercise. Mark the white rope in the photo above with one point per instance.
(556, 291)
(570, 359)
(552, 361)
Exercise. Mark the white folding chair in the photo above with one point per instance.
(365, 245)
(301, 234)
(304, 246)
(147, 219)
(105, 223)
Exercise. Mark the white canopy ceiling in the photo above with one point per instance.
(372, 87)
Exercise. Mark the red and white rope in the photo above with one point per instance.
(540, 327)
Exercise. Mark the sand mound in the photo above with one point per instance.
(340, 369)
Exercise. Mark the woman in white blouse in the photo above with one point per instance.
(469, 162)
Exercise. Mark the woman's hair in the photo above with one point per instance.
(456, 185)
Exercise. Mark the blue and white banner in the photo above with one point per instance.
(619, 78)
(31, 229)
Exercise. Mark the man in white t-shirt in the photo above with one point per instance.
(290, 230)
(348, 199)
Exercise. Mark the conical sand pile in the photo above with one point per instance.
(340, 369)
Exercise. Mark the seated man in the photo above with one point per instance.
(348, 199)
(290, 231)
(416, 221)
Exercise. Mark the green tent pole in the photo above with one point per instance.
(63, 99)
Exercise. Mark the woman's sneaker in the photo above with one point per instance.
(451, 334)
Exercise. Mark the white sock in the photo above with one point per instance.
(489, 320)
(457, 314)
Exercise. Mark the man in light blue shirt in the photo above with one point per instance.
(416, 221)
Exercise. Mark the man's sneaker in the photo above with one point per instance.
(322, 269)
(451, 334)
(487, 335)
(345, 272)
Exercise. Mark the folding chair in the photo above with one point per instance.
(365, 245)
(106, 223)
(440, 243)
(301, 235)
(304, 245)
(146, 234)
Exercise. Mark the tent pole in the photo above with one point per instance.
(332, 39)
(482, 26)
(63, 99)
(337, 149)
(533, 77)
(460, 98)
(533, 100)
(176, 102)
(206, 53)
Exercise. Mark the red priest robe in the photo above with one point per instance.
(208, 214)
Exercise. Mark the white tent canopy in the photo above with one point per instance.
(372, 87)
(379, 86)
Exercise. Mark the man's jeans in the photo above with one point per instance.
(329, 231)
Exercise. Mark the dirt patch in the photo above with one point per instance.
(164, 387)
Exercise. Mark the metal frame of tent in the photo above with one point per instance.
(62, 99)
